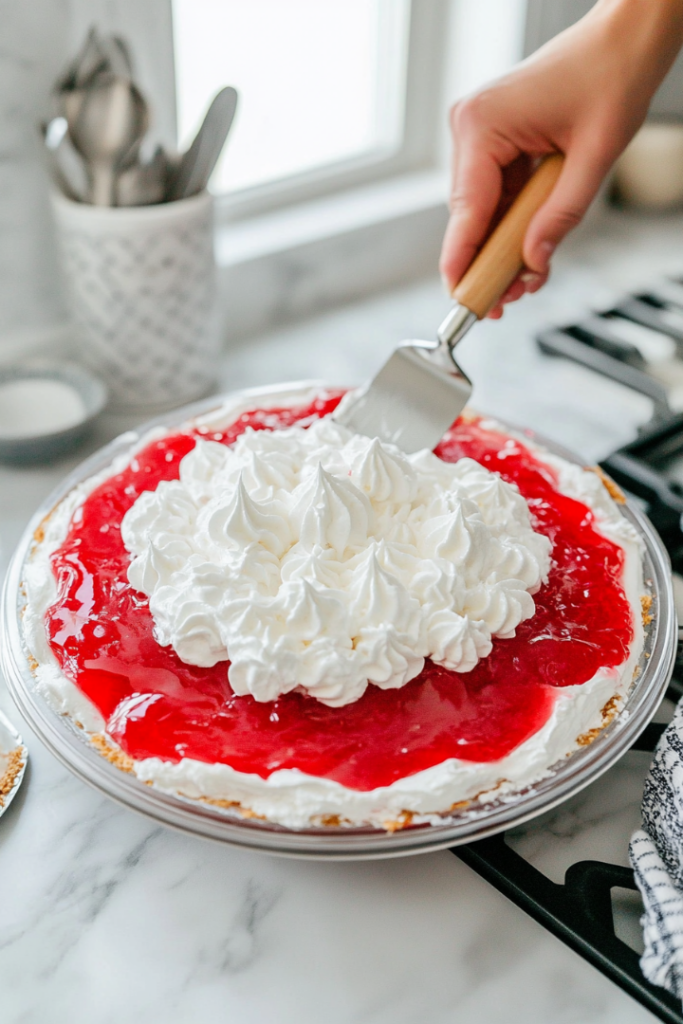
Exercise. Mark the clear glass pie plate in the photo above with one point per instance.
(71, 746)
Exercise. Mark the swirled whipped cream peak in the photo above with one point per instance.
(318, 560)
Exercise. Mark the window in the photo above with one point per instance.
(331, 92)
(321, 216)
(323, 85)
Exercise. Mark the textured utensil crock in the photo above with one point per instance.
(141, 286)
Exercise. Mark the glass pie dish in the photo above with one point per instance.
(475, 821)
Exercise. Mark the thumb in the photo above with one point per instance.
(576, 188)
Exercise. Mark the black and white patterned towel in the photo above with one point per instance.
(657, 858)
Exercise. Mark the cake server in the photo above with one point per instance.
(197, 163)
(420, 391)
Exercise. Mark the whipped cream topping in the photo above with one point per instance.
(320, 560)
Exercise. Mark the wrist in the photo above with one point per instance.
(646, 34)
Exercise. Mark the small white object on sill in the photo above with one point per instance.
(649, 173)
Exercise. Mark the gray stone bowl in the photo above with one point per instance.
(44, 447)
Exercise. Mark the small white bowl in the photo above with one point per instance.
(41, 442)
(649, 173)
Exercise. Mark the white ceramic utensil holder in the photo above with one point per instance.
(141, 286)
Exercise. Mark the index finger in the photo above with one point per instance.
(477, 189)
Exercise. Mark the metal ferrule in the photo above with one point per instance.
(456, 325)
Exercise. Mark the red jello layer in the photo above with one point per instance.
(101, 632)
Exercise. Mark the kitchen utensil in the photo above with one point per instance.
(421, 390)
(197, 163)
(335, 843)
(110, 120)
(54, 131)
(83, 68)
(116, 56)
(13, 759)
(66, 166)
(69, 172)
(71, 103)
(99, 55)
(143, 184)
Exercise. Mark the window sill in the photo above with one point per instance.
(292, 263)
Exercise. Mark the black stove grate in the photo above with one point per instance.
(579, 912)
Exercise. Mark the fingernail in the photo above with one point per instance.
(545, 250)
(531, 280)
(447, 286)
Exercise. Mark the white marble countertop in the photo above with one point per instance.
(105, 916)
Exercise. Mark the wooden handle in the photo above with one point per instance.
(498, 262)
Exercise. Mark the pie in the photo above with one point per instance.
(260, 610)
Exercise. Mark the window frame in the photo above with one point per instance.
(419, 149)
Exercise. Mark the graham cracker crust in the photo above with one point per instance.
(608, 713)
(646, 604)
(15, 763)
(112, 754)
(615, 492)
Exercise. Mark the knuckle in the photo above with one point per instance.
(471, 112)
(459, 201)
(568, 218)
(453, 114)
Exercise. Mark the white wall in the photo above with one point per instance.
(548, 17)
(32, 47)
(36, 39)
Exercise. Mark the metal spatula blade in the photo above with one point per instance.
(197, 163)
(420, 391)
(416, 395)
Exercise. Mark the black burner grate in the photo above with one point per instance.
(580, 911)
(651, 468)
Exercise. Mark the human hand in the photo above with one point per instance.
(585, 94)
